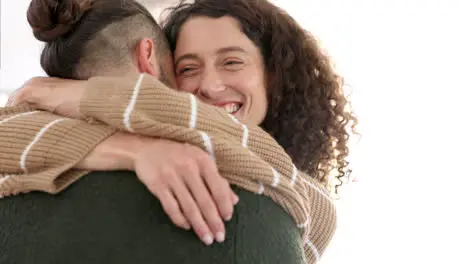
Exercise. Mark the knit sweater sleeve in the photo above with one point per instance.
(38, 150)
(246, 155)
(145, 106)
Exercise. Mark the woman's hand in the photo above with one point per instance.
(186, 181)
(60, 96)
(183, 177)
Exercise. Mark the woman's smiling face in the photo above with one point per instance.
(218, 63)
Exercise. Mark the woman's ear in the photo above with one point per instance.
(147, 61)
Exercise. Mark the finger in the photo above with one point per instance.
(170, 205)
(191, 211)
(218, 186)
(206, 203)
(234, 198)
(172, 209)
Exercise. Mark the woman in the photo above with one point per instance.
(303, 107)
(306, 111)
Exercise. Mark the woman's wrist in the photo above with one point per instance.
(118, 152)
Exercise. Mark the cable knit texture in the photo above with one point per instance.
(38, 149)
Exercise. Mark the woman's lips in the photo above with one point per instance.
(230, 107)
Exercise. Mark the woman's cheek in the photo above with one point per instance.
(187, 85)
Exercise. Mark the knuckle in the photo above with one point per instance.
(203, 157)
(221, 185)
(222, 191)
(222, 195)
(191, 212)
(153, 182)
(166, 175)
(170, 210)
(217, 224)
(207, 206)
(188, 148)
(188, 165)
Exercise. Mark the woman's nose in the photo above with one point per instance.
(211, 85)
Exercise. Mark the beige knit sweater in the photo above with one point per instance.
(38, 149)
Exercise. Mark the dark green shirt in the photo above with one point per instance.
(110, 217)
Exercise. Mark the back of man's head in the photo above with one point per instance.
(85, 38)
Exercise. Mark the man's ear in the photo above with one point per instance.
(147, 61)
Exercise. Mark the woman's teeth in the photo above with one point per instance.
(232, 108)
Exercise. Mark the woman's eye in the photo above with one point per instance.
(233, 63)
(186, 70)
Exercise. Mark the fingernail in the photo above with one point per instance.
(237, 199)
(208, 239)
(220, 236)
(187, 227)
(228, 218)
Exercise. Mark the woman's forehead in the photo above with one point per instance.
(212, 35)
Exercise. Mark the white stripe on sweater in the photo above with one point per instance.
(314, 250)
(131, 104)
(234, 119)
(208, 144)
(17, 116)
(245, 136)
(245, 131)
(303, 225)
(294, 176)
(26, 151)
(193, 113)
(4, 179)
(276, 177)
(304, 258)
(261, 189)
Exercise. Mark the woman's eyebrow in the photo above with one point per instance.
(224, 50)
(230, 49)
(192, 56)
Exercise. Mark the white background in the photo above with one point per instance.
(405, 61)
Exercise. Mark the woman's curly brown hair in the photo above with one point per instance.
(308, 113)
